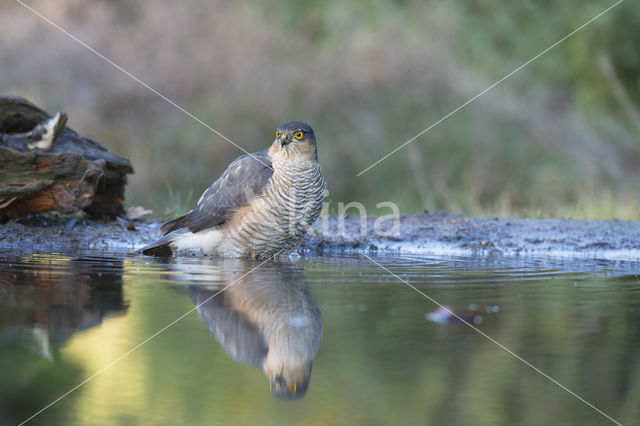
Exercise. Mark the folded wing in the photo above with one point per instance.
(244, 180)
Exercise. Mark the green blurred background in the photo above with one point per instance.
(560, 137)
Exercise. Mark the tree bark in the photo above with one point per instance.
(45, 166)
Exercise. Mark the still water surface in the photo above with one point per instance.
(317, 340)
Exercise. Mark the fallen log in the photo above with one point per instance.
(46, 166)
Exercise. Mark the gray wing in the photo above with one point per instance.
(239, 337)
(244, 180)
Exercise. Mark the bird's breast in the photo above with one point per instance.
(279, 218)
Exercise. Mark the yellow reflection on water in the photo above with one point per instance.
(118, 389)
(126, 389)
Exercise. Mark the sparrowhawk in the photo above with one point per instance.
(261, 205)
(267, 318)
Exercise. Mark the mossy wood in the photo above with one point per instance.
(45, 166)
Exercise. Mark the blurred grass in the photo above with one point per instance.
(557, 138)
(178, 203)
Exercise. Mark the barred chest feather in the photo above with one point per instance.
(279, 218)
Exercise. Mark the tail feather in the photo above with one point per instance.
(177, 223)
(160, 247)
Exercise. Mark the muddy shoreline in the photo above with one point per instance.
(428, 233)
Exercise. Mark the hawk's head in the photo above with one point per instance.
(291, 383)
(295, 140)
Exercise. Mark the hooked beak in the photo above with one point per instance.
(284, 139)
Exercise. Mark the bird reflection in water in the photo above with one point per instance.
(266, 318)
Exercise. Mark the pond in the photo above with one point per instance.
(318, 340)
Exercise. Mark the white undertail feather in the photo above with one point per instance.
(207, 240)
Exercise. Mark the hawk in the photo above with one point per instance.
(267, 318)
(261, 205)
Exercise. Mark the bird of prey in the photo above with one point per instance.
(261, 205)
(266, 318)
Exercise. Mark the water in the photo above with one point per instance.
(338, 340)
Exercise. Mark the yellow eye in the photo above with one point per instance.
(298, 135)
(277, 134)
